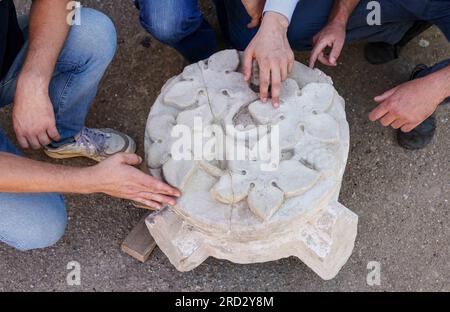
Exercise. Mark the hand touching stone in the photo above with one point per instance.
(270, 47)
(117, 177)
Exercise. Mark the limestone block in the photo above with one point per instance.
(244, 210)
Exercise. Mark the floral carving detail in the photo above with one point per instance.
(188, 90)
(158, 130)
(265, 190)
(311, 103)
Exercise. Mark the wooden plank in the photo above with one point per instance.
(139, 243)
(142, 206)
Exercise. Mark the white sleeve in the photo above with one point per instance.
(284, 7)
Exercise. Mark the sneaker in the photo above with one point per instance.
(96, 144)
(423, 134)
(381, 52)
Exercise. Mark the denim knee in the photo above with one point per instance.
(300, 39)
(172, 27)
(95, 38)
(32, 221)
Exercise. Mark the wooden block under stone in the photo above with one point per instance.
(139, 243)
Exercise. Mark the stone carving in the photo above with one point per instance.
(232, 208)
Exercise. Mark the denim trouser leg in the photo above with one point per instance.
(179, 24)
(88, 50)
(310, 16)
(30, 221)
(433, 68)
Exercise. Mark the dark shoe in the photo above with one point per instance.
(420, 137)
(381, 52)
(423, 134)
(377, 53)
(416, 72)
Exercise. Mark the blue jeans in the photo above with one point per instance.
(30, 221)
(179, 24)
(310, 16)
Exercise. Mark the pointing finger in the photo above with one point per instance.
(276, 85)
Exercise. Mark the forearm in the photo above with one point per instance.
(438, 83)
(22, 175)
(283, 7)
(275, 23)
(342, 10)
(48, 30)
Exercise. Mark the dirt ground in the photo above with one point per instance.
(401, 197)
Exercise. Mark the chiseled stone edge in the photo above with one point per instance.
(324, 243)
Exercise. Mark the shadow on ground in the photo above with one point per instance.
(401, 197)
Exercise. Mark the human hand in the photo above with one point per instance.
(331, 36)
(33, 115)
(407, 105)
(117, 177)
(254, 9)
(270, 47)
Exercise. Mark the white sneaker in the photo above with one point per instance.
(96, 144)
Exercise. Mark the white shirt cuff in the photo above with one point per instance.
(284, 7)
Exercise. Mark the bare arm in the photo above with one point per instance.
(48, 30)
(19, 174)
(115, 176)
(342, 10)
(33, 116)
(333, 34)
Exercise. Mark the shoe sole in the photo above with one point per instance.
(406, 144)
(130, 150)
